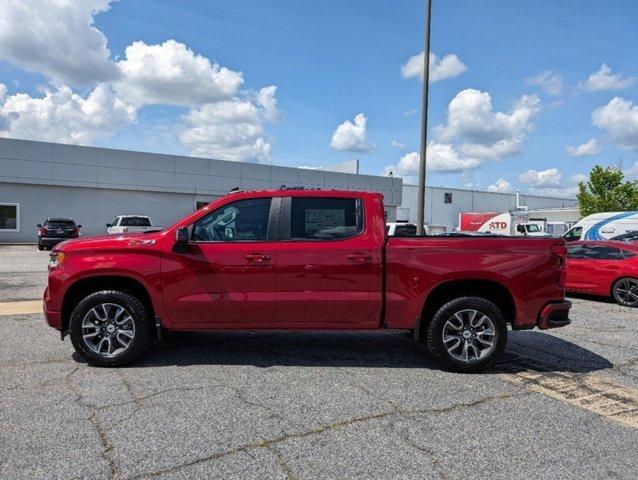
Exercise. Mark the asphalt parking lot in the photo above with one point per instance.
(292, 405)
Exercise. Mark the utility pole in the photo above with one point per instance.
(420, 230)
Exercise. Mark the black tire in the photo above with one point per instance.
(623, 285)
(40, 247)
(139, 318)
(462, 306)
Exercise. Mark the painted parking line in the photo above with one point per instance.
(20, 308)
(588, 391)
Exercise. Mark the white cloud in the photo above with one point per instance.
(590, 147)
(4, 120)
(579, 177)
(541, 178)
(231, 129)
(554, 188)
(397, 144)
(484, 132)
(440, 68)
(632, 172)
(548, 81)
(410, 112)
(63, 116)
(351, 137)
(620, 118)
(171, 73)
(604, 79)
(57, 39)
(440, 158)
(500, 186)
(266, 99)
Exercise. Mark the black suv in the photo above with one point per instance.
(56, 230)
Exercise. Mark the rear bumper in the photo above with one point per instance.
(554, 315)
(52, 241)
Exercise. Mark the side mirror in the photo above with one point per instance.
(79, 226)
(109, 225)
(181, 240)
(39, 225)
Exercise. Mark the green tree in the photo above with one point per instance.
(606, 191)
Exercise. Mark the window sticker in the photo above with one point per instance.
(323, 219)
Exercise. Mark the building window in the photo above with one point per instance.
(447, 197)
(10, 217)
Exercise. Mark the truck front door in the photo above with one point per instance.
(227, 275)
(328, 264)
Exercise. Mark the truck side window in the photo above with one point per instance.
(405, 231)
(325, 218)
(244, 220)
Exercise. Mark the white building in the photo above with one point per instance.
(93, 185)
(443, 205)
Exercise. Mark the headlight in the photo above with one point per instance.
(55, 259)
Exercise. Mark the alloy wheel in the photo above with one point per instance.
(626, 292)
(108, 329)
(469, 335)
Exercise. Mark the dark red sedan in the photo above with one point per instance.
(606, 268)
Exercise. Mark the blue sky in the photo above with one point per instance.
(331, 61)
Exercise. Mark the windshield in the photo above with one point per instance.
(59, 224)
(135, 222)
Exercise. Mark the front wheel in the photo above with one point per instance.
(625, 292)
(467, 334)
(109, 328)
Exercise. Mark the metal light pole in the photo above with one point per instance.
(420, 230)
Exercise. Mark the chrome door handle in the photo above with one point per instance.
(359, 257)
(257, 257)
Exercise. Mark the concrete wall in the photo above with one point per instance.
(439, 213)
(93, 185)
(92, 208)
(23, 161)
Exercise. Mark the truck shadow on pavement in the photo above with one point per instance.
(526, 351)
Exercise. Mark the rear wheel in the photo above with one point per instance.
(467, 334)
(109, 328)
(40, 247)
(625, 292)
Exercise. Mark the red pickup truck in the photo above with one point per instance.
(303, 259)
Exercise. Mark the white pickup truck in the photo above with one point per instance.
(130, 223)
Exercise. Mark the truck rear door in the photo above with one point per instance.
(329, 270)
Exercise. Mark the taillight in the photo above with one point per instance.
(559, 252)
(42, 231)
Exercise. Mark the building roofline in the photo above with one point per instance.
(494, 193)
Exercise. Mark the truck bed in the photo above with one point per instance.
(419, 269)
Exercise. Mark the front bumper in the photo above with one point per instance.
(53, 318)
(554, 315)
